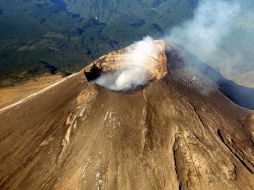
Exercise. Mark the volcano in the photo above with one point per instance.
(76, 134)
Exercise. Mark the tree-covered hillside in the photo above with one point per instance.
(38, 36)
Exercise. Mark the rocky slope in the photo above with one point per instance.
(77, 135)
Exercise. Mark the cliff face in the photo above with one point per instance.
(77, 135)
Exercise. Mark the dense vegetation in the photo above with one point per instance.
(38, 36)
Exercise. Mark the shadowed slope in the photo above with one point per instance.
(241, 95)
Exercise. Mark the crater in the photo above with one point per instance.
(130, 69)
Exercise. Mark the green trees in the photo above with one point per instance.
(69, 34)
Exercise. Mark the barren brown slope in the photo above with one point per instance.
(12, 94)
(77, 135)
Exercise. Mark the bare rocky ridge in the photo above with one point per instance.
(77, 135)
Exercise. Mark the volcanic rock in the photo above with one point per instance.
(77, 135)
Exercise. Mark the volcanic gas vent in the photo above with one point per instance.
(131, 68)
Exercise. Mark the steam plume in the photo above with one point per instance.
(220, 35)
(204, 34)
(134, 71)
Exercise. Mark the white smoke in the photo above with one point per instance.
(218, 42)
(219, 34)
(134, 71)
(204, 35)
